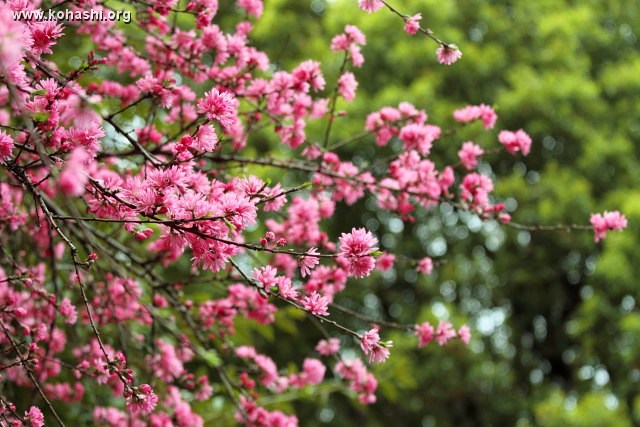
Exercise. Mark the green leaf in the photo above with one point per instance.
(211, 357)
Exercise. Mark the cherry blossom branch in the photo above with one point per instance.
(126, 107)
(427, 32)
(187, 317)
(371, 320)
(355, 179)
(9, 406)
(136, 144)
(77, 263)
(36, 384)
(219, 369)
(322, 319)
(334, 101)
(109, 119)
(558, 227)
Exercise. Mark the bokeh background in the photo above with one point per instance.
(554, 316)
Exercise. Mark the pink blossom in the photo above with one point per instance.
(371, 346)
(249, 302)
(475, 112)
(370, 6)
(446, 179)
(469, 154)
(340, 42)
(360, 381)
(109, 416)
(355, 35)
(6, 146)
(355, 52)
(68, 310)
(379, 354)
(312, 151)
(464, 334)
(246, 352)
(419, 137)
(220, 106)
(86, 137)
(35, 417)
(347, 85)
(515, 141)
(369, 339)
(309, 261)
(327, 280)
(253, 7)
(269, 369)
(265, 276)
(286, 289)
(44, 34)
(73, 177)
(206, 139)
(385, 261)
(316, 304)
(15, 39)
(605, 222)
(448, 54)
(171, 175)
(425, 334)
(444, 332)
(313, 371)
(142, 400)
(475, 189)
(166, 362)
(350, 41)
(328, 347)
(412, 24)
(425, 266)
(205, 391)
(257, 416)
(357, 248)
(308, 72)
(504, 218)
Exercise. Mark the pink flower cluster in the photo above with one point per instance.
(6, 146)
(370, 6)
(312, 373)
(412, 24)
(242, 300)
(371, 346)
(425, 266)
(351, 42)
(141, 400)
(347, 85)
(357, 248)
(257, 416)
(387, 122)
(469, 154)
(328, 347)
(360, 380)
(441, 334)
(607, 221)
(477, 112)
(515, 141)
(448, 54)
